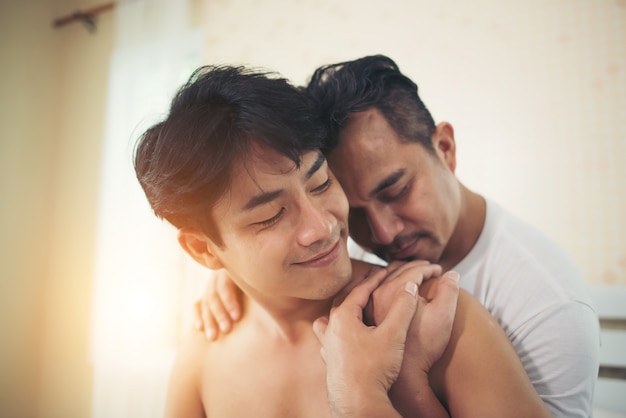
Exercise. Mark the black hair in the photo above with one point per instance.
(184, 163)
(370, 82)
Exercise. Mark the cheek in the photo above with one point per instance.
(417, 208)
(447, 195)
(428, 201)
(268, 253)
(248, 254)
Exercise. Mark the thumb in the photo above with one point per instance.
(319, 328)
(401, 313)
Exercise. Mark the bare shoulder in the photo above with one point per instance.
(184, 391)
(361, 268)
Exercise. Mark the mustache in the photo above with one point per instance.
(398, 244)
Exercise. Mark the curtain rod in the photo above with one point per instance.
(86, 17)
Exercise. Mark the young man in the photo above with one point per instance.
(397, 169)
(236, 167)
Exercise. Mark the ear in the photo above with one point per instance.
(445, 146)
(199, 247)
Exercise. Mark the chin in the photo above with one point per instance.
(341, 281)
(330, 291)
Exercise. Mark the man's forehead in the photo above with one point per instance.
(266, 159)
(365, 173)
(263, 159)
(261, 176)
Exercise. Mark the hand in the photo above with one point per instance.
(431, 327)
(398, 274)
(427, 340)
(220, 306)
(363, 362)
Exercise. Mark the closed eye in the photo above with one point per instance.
(271, 221)
(322, 187)
(397, 196)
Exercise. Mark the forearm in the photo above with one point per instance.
(362, 404)
(413, 396)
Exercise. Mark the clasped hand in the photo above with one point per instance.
(373, 325)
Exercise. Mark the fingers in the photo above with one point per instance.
(373, 279)
(446, 295)
(319, 328)
(211, 328)
(210, 314)
(203, 319)
(197, 315)
(220, 306)
(393, 265)
(227, 292)
(217, 316)
(423, 270)
(401, 313)
(360, 294)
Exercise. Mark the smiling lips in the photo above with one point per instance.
(325, 258)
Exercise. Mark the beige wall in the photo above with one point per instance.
(53, 94)
(536, 92)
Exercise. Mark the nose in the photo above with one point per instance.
(316, 224)
(384, 225)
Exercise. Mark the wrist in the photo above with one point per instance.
(410, 383)
(361, 403)
(413, 396)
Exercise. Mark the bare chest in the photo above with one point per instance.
(265, 381)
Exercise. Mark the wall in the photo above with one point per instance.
(536, 91)
(52, 103)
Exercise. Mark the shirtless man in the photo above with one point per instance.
(236, 167)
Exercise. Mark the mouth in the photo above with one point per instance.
(324, 258)
(407, 250)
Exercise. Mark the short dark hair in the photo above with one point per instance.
(370, 82)
(184, 163)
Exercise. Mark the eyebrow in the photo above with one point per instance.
(261, 199)
(316, 166)
(387, 182)
(264, 198)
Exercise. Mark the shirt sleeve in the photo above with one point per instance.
(559, 348)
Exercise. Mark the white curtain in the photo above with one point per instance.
(143, 283)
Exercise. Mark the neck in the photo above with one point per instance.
(468, 228)
(289, 320)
